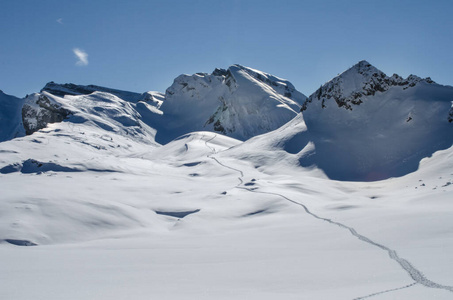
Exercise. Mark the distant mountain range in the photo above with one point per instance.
(361, 125)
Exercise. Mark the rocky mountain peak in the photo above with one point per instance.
(364, 68)
(351, 87)
(238, 101)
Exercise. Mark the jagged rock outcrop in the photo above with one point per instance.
(367, 126)
(352, 86)
(39, 110)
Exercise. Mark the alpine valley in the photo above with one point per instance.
(230, 185)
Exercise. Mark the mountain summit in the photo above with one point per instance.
(361, 125)
(361, 80)
(365, 125)
(239, 102)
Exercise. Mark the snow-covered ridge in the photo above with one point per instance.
(93, 195)
(361, 80)
(368, 126)
(71, 89)
(242, 102)
(99, 110)
(282, 86)
(239, 102)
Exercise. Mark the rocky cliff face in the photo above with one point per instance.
(39, 110)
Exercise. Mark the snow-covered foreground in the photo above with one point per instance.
(114, 218)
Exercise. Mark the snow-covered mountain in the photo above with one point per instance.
(361, 125)
(367, 126)
(101, 110)
(352, 86)
(73, 89)
(207, 216)
(239, 102)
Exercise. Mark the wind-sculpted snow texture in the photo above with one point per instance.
(92, 207)
(139, 207)
(415, 274)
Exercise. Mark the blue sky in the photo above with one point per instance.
(143, 45)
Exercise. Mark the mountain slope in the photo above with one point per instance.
(103, 111)
(363, 125)
(367, 126)
(211, 221)
(73, 89)
(207, 216)
(238, 102)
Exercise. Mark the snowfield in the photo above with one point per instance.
(94, 208)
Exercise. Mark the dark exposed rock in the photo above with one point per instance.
(36, 116)
(218, 127)
(373, 81)
(215, 117)
(220, 72)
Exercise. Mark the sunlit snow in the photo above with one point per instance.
(94, 208)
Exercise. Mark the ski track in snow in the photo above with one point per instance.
(386, 291)
(413, 272)
(225, 166)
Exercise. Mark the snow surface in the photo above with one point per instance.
(94, 208)
(101, 217)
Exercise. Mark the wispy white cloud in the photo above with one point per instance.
(82, 57)
(60, 20)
